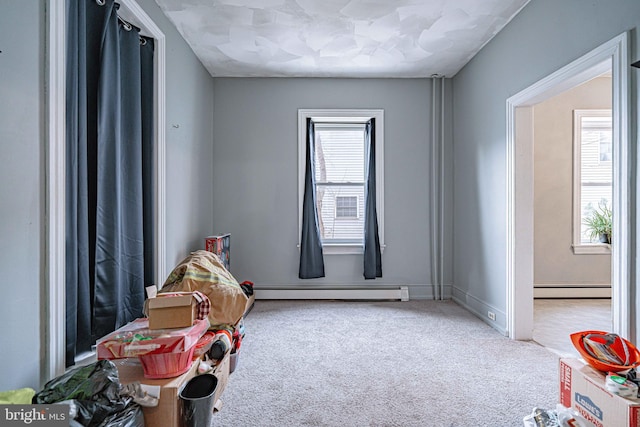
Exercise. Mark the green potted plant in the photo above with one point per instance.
(598, 223)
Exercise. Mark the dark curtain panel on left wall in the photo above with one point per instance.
(109, 170)
(372, 254)
(311, 254)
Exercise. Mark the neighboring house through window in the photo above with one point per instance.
(592, 175)
(340, 168)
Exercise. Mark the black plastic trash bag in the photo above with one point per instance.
(95, 392)
(132, 416)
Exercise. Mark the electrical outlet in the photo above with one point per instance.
(491, 315)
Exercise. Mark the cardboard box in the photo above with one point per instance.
(221, 246)
(221, 372)
(583, 389)
(168, 411)
(167, 312)
(251, 300)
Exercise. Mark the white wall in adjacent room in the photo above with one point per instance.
(554, 260)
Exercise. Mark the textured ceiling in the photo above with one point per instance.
(337, 38)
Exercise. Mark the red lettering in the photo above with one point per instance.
(634, 416)
(565, 392)
(589, 417)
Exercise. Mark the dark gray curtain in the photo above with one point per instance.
(311, 256)
(105, 242)
(372, 255)
(148, 155)
(77, 255)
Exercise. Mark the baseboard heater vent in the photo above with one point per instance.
(401, 293)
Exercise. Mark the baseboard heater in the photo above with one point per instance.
(401, 293)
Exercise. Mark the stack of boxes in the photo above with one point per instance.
(178, 311)
(168, 412)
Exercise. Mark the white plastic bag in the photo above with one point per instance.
(560, 417)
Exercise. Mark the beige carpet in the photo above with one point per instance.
(418, 363)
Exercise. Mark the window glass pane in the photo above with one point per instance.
(339, 170)
(595, 167)
(333, 226)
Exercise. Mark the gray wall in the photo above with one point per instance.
(554, 260)
(545, 36)
(22, 200)
(255, 180)
(22, 192)
(189, 150)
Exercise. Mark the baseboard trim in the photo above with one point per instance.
(400, 293)
(546, 291)
(572, 285)
(480, 309)
(357, 291)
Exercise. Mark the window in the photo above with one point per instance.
(347, 207)
(592, 175)
(340, 175)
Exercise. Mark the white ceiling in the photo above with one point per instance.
(337, 38)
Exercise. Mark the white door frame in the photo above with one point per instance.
(54, 271)
(611, 55)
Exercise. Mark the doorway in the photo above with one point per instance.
(572, 183)
(520, 225)
(54, 357)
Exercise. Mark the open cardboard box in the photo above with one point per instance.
(583, 389)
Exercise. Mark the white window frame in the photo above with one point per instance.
(580, 248)
(346, 116)
(340, 218)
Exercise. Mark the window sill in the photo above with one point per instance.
(344, 249)
(593, 249)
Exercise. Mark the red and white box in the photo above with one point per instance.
(583, 389)
(221, 246)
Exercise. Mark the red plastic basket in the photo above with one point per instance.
(166, 365)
